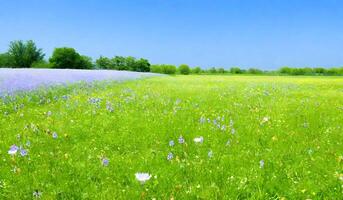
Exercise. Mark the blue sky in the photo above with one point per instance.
(223, 33)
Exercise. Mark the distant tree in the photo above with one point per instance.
(68, 58)
(221, 70)
(254, 71)
(156, 68)
(103, 63)
(142, 65)
(285, 70)
(119, 63)
(184, 69)
(236, 70)
(196, 70)
(5, 60)
(319, 70)
(168, 69)
(212, 70)
(23, 54)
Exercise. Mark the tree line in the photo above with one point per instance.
(25, 54)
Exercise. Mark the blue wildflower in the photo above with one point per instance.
(170, 156)
(181, 140)
(171, 143)
(105, 162)
(54, 135)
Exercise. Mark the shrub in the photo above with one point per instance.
(141, 65)
(156, 68)
(184, 69)
(41, 64)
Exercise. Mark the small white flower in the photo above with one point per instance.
(210, 154)
(261, 164)
(142, 177)
(199, 139)
(265, 119)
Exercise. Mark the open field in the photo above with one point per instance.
(199, 137)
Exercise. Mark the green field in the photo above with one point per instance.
(264, 137)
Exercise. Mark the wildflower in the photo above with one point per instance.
(265, 119)
(170, 156)
(171, 143)
(28, 143)
(37, 194)
(261, 164)
(223, 128)
(23, 152)
(199, 139)
(49, 113)
(54, 135)
(13, 150)
(181, 140)
(105, 162)
(142, 177)
(210, 154)
(233, 131)
(202, 120)
(109, 106)
(228, 142)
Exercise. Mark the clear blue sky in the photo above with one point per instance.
(222, 33)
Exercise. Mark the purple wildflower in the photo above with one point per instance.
(13, 150)
(23, 152)
(105, 162)
(54, 135)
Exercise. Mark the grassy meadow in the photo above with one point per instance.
(198, 137)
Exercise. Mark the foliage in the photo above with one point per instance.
(123, 63)
(236, 70)
(196, 70)
(68, 58)
(41, 64)
(5, 60)
(23, 54)
(184, 69)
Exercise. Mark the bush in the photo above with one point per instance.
(184, 69)
(156, 68)
(68, 58)
(41, 64)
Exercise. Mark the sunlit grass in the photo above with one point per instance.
(262, 138)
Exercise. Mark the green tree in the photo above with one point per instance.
(66, 57)
(221, 70)
(184, 69)
(196, 70)
(23, 54)
(236, 70)
(212, 70)
(103, 63)
(5, 60)
(142, 65)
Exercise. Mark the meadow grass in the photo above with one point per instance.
(258, 137)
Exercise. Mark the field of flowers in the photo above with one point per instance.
(181, 137)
